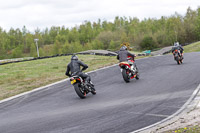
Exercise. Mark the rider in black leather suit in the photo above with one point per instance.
(74, 67)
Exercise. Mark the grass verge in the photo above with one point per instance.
(194, 47)
(189, 129)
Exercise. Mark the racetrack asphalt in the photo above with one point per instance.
(163, 88)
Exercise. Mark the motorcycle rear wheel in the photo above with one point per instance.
(125, 76)
(79, 91)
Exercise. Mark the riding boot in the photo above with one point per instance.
(91, 83)
(88, 85)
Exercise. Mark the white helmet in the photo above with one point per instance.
(176, 44)
(123, 47)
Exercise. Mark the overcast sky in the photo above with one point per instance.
(48, 13)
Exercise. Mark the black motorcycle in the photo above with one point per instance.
(178, 57)
(81, 88)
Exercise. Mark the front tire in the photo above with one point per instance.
(79, 91)
(177, 60)
(93, 91)
(181, 60)
(125, 76)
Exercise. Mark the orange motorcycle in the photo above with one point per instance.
(178, 57)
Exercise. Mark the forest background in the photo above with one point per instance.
(147, 34)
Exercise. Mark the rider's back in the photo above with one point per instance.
(74, 66)
(123, 55)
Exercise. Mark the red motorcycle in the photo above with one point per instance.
(129, 70)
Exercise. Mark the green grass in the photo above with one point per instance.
(20, 77)
(189, 129)
(195, 47)
(135, 52)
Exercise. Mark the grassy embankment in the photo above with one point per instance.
(189, 129)
(20, 77)
(195, 47)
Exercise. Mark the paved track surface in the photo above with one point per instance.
(118, 107)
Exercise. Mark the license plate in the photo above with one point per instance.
(73, 81)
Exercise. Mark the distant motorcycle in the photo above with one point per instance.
(178, 57)
(81, 88)
(129, 71)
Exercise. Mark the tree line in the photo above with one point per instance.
(144, 34)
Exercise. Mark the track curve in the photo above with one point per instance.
(162, 89)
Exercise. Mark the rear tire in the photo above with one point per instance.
(125, 76)
(79, 91)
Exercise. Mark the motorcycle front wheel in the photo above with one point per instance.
(177, 60)
(93, 91)
(79, 91)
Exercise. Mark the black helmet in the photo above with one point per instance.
(123, 48)
(74, 57)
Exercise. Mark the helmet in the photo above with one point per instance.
(74, 57)
(176, 44)
(123, 48)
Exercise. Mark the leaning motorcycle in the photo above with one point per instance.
(81, 88)
(129, 71)
(178, 57)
